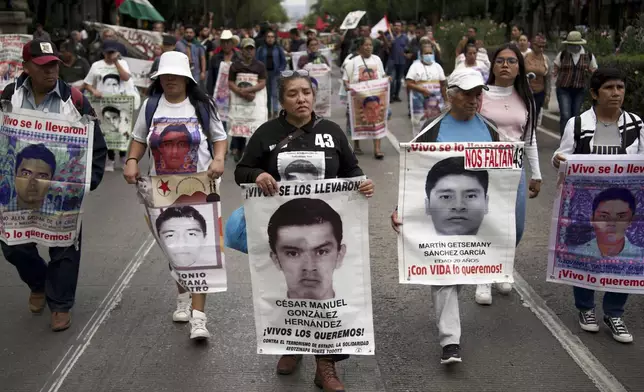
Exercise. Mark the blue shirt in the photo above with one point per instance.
(452, 130)
(51, 103)
(398, 46)
(196, 51)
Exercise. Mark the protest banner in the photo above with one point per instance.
(296, 56)
(424, 107)
(139, 71)
(321, 75)
(116, 115)
(246, 116)
(11, 57)
(351, 20)
(368, 105)
(139, 43)
(597, 231)
(183, 212)
(308, 250)
(457, 205)
(45, 172)
(222, 92)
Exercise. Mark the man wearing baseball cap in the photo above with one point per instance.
(461, 123)
(310, 34)
(40, 89)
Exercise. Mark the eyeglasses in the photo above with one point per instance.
(288, 73)
(510, 60)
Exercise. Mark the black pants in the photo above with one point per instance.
(539, 99)
(58, 278)
(333, 357)
(111, 154)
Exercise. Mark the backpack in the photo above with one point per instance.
(77, 96)
(579, 147)
(203, 115)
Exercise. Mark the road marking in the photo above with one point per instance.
(113, 297)
(549, 133)
(589, 364)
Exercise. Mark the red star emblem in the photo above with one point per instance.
(163, 187)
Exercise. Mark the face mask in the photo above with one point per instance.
(428, 58)
(574, 48)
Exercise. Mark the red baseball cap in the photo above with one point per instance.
(39, 52)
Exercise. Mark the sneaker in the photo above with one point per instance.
(198, 329)
(618, 329)
(588, 320)
(504, 288)
(451, 354)
(109, 165)
(184, 305)
(483, 294)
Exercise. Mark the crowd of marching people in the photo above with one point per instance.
(488, 97)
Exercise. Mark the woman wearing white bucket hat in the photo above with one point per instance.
(572, 70)
(177, 101)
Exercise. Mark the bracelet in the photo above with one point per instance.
(127, 160)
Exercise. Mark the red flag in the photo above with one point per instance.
(319, 24)
(119, 2)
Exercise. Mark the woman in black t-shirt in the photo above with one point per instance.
(330, 157)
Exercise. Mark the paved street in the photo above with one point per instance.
(123, 339)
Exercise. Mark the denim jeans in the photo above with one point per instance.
(238, 143)
(613, 302)
(570, 101)
(272, 101)
(58, 278)
(520, 208)
(539, 99)
(397, 73)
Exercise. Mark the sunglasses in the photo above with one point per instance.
(289, 73)
(510, 60)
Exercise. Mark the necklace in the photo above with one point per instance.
(607, 123)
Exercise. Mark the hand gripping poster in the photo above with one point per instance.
(321, 77)
(368, 105)
(11, 57)
(597, 230)
(422, 107)
(457, 205)
(222, 92)
(183, 211)
(308, 250)
(45, 173)
(245, 116)
(116, 114)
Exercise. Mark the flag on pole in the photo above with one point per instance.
(383, 25)
(139, 9)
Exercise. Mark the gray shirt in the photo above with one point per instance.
(607, 135)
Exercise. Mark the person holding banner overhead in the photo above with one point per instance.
(451, 189)
(277, 147)
(40, 89)
(605, 129)
(510, 104)
(177, 104)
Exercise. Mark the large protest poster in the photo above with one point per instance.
(321, 75)
(139, 71)
(183, 212)
(296, 56)
(457, 205)
(422, 107)
(11, 57)
(116, 115)
(222, 92)
(352, 19)
(368, 105)
(308, 250)
(139, 43)
(597, 229)
(244, 116)
(45, 173)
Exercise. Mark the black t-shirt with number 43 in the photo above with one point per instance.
(321, 152)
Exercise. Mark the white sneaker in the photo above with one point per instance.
(483, 294)
(198, 329)
(504, 288)
(109, 165)
(182, 314)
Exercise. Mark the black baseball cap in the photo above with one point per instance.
(40, 52)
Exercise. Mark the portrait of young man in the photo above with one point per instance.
(371, 110)
(182, 232)
(111, 84)
(35, 168)
(111, 119)
(305, 238)
(457, 199)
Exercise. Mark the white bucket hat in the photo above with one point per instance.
(174, 63)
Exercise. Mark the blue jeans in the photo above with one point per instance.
(272, 100)
(570, 101)
(397, 72)
(539, 99)
(519, 214)
(58, 278)
(613, 302)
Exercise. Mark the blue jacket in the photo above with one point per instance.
(279, 58)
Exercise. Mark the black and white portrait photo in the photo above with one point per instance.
(301, 165)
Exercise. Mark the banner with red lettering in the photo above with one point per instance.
(597, 229)
(457, 205)
(45, 173)
(11, 57)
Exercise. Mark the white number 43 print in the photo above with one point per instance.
(324, 140)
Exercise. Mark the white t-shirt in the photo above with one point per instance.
(106, 79)
(356, 71)
(183, 147)
(418, 71)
